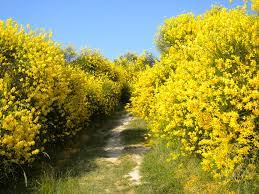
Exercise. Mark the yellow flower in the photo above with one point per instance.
(34, 152)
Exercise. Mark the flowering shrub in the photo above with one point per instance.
(41, 98)
(93, 62)
(105, 74)
(130, 65)
(204, 91)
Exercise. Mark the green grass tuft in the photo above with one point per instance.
(183, 175)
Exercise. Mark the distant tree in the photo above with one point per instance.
(149, 58)
(126, 59)
(131, 58)
(70, 54)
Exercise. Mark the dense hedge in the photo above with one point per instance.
(204, 91)
(43, 97)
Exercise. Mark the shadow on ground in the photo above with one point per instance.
(133, 136)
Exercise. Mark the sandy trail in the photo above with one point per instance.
(115, 147)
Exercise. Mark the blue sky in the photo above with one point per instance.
(112, 26)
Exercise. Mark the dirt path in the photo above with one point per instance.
(118, 167)
(116, 147)
(108, 161)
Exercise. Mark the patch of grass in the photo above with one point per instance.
(106, 178)
(137, 123)
(135, 132)
(183, 175)
(133, 136)
(109, 178)
(50, 182)
(157, 174)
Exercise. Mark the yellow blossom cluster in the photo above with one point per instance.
(93, 62)
(204, 91)
(106, 92)
(42, 97)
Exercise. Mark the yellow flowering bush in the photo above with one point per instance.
(93, 62)
(255, 5)
(204, 91)
(107, 88)
(42, 98)
(130, 65)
